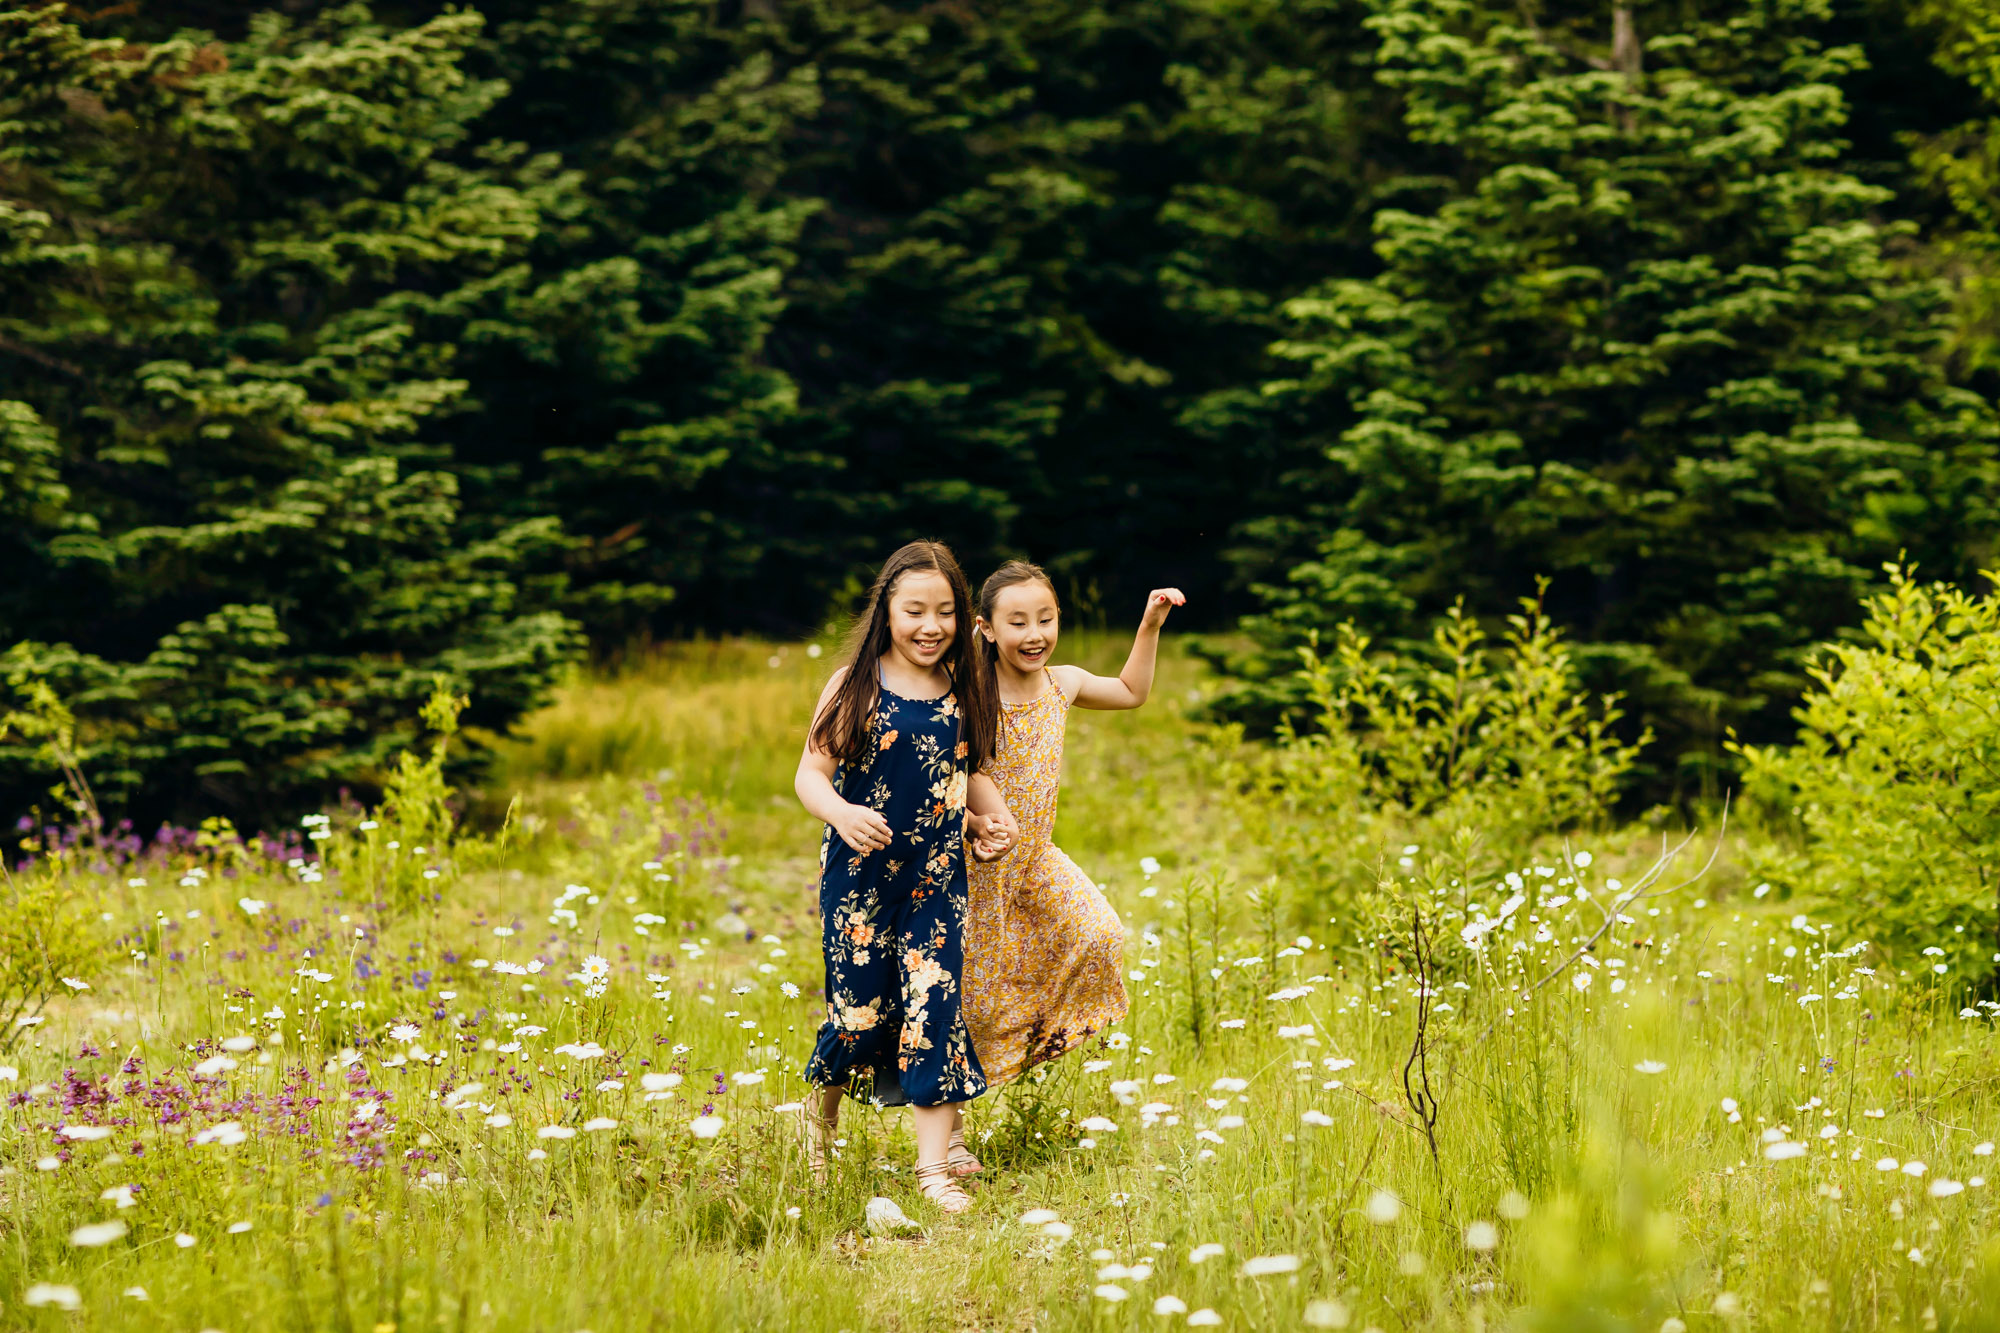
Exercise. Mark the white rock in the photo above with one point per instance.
(886, 1218)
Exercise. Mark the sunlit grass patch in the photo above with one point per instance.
(550, 1088)
(720, 717)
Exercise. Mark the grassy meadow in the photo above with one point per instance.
(378, 1074)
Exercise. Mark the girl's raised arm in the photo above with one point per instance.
(1129, 688)
(863, 829)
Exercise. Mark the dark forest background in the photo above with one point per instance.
(344, 347)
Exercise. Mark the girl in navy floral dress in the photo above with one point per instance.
(891, 766)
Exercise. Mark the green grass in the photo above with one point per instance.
(1615, 1195)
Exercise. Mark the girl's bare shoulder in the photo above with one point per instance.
(833, 682)
(1069, 679)
(827, 691)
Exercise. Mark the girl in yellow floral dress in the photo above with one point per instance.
(1043, 949)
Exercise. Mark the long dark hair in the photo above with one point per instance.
(842, 730)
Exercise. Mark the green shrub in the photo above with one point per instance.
(1895, 780)
(1466, 736)
(44, 937)
(406, 848)
(1446, 756)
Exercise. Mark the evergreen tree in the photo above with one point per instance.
(619, 372)
(1645, 339)
(356, 345)
(814, 276)
(1962, 163)
(1048, 229)
(229, 555)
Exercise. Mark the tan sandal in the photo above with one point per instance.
(959, 1157)
(938, 1186)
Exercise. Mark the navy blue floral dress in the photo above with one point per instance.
(892, 921)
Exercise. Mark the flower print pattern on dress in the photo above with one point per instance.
(1044, 951)
(893, 922)
(852, 1018)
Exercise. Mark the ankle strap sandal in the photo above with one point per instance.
(940, 1188)
(960, 1159)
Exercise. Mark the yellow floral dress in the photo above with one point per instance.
(1043, 949)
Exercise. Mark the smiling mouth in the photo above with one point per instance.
(927, 645)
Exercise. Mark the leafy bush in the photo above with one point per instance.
(406, 846)
(1469, 736)
(1895, 780)
(1459, 748)
(44, 937)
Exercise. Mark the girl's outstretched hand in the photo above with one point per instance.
(862, 829)
(1158, 603)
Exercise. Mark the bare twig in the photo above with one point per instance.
(1638, 892)
(1418, 1089)
(1387, 1110)
(41, 358)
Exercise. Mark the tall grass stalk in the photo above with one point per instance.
(553, 1098)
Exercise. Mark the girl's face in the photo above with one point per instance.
(923, 618)
(1025, 625)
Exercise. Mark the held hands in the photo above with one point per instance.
(862, 829)
(865, 830)
(993, 836)
(1158, 603)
